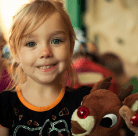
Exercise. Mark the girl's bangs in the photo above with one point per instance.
(35, 16)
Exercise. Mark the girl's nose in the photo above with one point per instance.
(47, 53)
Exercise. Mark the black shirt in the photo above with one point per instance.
(24, 119)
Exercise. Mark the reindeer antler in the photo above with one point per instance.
(105, 84)
(102, 84)
(124, 92)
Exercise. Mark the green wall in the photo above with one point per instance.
(74, 9)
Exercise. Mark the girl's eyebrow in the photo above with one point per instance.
(53, 33)
(58, 32)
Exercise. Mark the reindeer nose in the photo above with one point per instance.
(134, 120)
(82, 112)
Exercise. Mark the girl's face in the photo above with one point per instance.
(45, 55)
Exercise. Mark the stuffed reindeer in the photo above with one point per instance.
(130, 115)
(98, 114)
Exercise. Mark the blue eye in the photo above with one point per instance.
(56, 41)
(31, 44)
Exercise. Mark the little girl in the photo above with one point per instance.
(41, 43)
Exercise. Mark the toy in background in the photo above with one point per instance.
(130, 117)
(114, 22)
(80, 42)
(92, 48)
(114, 63)
(98, 114)
(6, 52)
(90, 56)
(88, 71)
(85, 60)
(4, 66)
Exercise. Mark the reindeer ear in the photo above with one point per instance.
(132, 102)
(102, 84)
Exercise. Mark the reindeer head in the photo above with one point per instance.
(98, 114)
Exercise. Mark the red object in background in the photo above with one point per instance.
(4, 80)
(134, 120)
(85, 65)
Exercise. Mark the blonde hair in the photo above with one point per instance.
(26, 21)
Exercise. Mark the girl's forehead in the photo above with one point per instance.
(54, 22)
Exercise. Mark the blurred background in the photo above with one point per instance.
(107, 41)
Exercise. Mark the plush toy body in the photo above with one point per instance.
(98, 114)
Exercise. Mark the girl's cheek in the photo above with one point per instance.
(62, 56)
(63, 53)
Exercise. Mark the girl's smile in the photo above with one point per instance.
(47, 68)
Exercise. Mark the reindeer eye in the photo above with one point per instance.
(82, 112)
(109, 120)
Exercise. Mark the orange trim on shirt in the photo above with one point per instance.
(39, 109)
(2, 126)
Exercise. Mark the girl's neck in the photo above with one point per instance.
(36, 89)
(44, 94)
